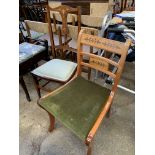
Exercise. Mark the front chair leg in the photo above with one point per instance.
(52, 122)
(89, 149)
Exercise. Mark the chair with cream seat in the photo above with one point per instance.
(80, 104)
(56, 70)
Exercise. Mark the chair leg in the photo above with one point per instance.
(72, 56)
(89, 73)
(52, 122)
(36, 83)
(89, 149)
(109, 112)
(22, 82)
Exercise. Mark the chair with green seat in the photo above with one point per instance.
(81, 105)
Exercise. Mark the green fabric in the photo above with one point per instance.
(77, 105)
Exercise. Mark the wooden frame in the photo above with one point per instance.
(100, 63)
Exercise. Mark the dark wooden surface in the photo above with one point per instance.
(84, 4)
(92, 1)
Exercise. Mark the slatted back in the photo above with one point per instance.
(99, 62)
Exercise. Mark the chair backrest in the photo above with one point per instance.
(101, 63)
(36, 26)
(63, 11)
(91, 21)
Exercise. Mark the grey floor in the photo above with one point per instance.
(114, 137)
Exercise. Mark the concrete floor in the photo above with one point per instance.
(114, 137)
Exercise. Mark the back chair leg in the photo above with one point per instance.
(52, 122)
(22, 82)
(36, 83)
(109, 112)
(89, 73)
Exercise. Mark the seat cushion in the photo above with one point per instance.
(77, 105)
(28, 50)
(56, 69)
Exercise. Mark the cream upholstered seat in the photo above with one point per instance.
(56, 69)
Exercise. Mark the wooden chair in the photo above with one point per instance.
(81, 105)
(60, 40)
(54, 70)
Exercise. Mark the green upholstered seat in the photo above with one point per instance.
(56, 69)
(77, 105)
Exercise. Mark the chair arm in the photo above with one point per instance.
(100, 118)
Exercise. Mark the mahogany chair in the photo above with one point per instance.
(81, 105)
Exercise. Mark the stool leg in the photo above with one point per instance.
(52, 122)
(36, 84)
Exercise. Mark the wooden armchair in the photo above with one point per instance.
(81, 105)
